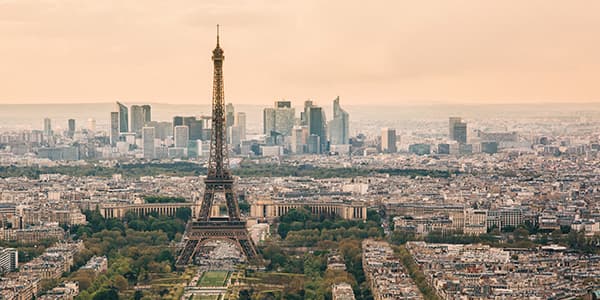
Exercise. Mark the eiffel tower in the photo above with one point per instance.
(204, 227)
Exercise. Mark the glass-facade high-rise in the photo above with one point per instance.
(388, 140)
(182, 136)
(137, 118)
(339, 126)
(123, 117)
(317, 126)
(147, 112)
(148, 136)
(457, 130)
(195, 126)
(229, 114)
(279, 120)
(114, 127)
(47, 127)
(71, 126)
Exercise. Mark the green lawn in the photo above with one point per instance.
(213, 278)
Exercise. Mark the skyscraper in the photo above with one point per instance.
(457, 130)
(123, 117)
(304, 114)
(195, 126)
(148, 135)
(279, 119)
(182, 136)
(47, 127)
(388, 140)
(137, 118)
(339, 126)
(299, 138)
(229, 114)
(317, 126)
(240, 122)
(237, 132)
(147, 112)
(114, 127)
(71, 126)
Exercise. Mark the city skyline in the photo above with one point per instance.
(409, 53)
(314, 194)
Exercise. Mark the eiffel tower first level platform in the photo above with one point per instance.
(200, 232)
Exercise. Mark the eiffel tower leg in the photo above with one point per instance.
(232, 206)
(209, 195)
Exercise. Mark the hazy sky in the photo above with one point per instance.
(386, 52)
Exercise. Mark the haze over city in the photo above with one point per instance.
(386, 52)
(300, 150)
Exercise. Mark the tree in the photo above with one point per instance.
(138, 295)
(120, 282)
(521, 234)
(106, 294)
(183, 213)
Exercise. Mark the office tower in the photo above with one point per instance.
(137, 118)
(458, 130)
(162, 130)
(147, 112)
(123, 117)
(195, 126)
(317, 125)
(314, 144)
(114, 127)
(388, 140)
(91, 125)
(304, 114)
(237, 132)
(47, 127)
(177, 121)
(451, 122)
(229, 114)
(71, 126)
(240, 122)
(182, 136)
(148, 136)
(280, 119)
(298, 145)
(268, 121)
(339, 127)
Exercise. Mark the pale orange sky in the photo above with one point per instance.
(385, 52)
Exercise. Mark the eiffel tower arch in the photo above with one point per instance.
(219, 181)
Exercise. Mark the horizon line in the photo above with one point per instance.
(416, 103)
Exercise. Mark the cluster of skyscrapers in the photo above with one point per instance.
(185, 136)
(119, 120)
(311, 133)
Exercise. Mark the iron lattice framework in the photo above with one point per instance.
(219, 177)
(218, 180)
